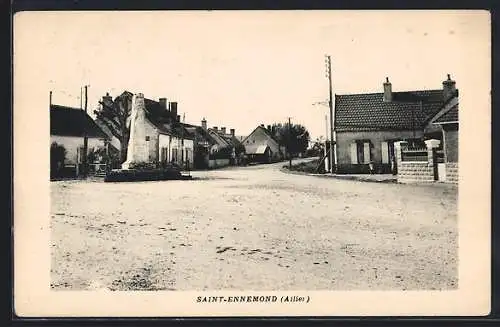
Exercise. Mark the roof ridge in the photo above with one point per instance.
(373, 93)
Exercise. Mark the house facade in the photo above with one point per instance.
(260, 146)
(68, 128)
(367, 126)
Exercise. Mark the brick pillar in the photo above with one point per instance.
(398, 157)
(431, 145)
(397, 151)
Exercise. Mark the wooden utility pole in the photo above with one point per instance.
(85, 140)
(326, 143)
(50, 99)
(290, 141)
(330, 103)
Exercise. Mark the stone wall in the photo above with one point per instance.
(452, 172)
(451, 145)
(415, 172)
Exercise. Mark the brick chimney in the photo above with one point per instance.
(387, 90)
(173, 108)
(204, 123)
(107, 99)
(449, 88)
(163, 103)
(215, 128)
(232, 131)
(223, 130)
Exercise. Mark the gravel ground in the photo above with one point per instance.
(253, 228)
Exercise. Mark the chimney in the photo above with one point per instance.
(262, 125)
(107, 99)
(223, 130)
(232, 131)
(387, 90)
(204, 123)
(173, 108)
(215, 128)
(163, 103)
(449, 88)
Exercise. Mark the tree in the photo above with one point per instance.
(57, 158)
(115, 115)
(294, 137)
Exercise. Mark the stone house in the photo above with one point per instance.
(261, 147)
(213, 146)
(162, 138)
(366, 126)
(68, 127)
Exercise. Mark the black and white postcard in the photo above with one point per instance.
(252, 163)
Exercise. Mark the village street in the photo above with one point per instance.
(253, 228)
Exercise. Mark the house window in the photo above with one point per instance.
(147, 138)
(360, 149)
(360, 152)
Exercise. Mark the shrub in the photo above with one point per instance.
(57, 158)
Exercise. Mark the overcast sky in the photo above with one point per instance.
(241, 69)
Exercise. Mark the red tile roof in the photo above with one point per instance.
(407, 110)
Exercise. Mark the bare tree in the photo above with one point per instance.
(115, 115)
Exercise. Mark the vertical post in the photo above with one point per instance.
(289, 141)
(50, 99)
(330, 103)
(326, 143)
(85, 139)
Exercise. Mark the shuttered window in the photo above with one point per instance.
(360, 152)
(354, 153)
(366, 152)
(385, 152)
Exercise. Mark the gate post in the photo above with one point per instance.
(432, 145)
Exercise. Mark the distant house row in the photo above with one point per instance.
(169, 140)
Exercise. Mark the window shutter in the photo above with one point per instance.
(354, 153)
(385, 152)
(366, 152)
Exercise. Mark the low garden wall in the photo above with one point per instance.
(452, 172)
(415, 165)
(412, 172)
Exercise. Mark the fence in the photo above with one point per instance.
(414, 153)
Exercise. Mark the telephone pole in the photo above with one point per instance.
(290, 141)
(85, 139)
(50, 99)
(330, 103)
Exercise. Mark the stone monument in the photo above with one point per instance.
(137, 151)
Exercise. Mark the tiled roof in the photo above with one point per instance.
(406, 111)
(449, 117)
(68, 121)
(265, 131)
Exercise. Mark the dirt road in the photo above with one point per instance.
(253, 228)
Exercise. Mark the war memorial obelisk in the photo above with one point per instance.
(137, 151)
